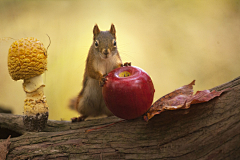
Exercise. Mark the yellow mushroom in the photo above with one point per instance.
(27, 60)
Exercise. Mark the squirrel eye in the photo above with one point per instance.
(114, 43)
(96, 43)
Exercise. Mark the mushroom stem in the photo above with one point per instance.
(32, 84)
(35, 104)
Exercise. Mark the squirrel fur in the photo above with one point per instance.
(102, 58)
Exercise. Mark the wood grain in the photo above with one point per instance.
(206, 131)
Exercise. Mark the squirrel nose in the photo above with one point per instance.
(105, 51)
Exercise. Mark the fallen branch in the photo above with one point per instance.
(209, 130)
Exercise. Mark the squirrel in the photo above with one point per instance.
(103, 57)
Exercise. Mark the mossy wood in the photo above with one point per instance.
(209, 130)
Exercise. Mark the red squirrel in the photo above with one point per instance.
(102, 58)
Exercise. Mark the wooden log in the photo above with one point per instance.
(208, 131)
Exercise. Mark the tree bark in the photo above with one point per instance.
(208, 131)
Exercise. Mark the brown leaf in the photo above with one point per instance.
(4, 148)
(206, 95)
(181, 98)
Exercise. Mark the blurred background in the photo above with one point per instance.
(174, 41)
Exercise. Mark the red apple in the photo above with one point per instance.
(128, 92)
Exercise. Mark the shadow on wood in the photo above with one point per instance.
(208, 131)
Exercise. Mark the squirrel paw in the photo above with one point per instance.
(103, 80)
(78, 119)
(126, 64)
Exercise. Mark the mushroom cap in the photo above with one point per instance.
(27, 58)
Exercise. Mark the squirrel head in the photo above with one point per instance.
(104, 42)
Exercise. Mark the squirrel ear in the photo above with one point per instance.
(96, 30)
(113, 30)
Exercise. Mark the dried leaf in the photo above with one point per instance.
(181, 98)
(4, 148)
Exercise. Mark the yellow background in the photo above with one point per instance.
(174, 41)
